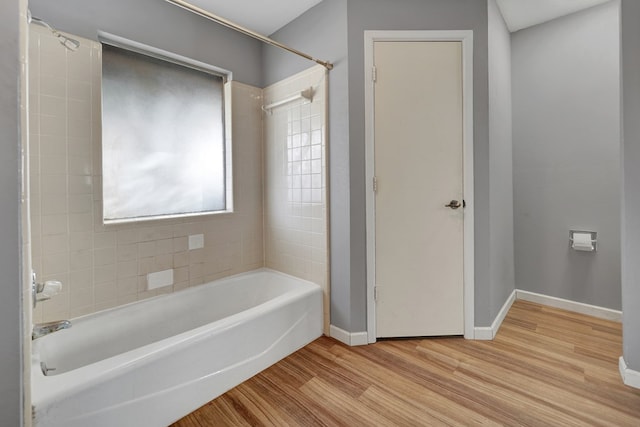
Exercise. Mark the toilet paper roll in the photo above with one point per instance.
(582, 242)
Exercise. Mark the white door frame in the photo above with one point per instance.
(466, 37)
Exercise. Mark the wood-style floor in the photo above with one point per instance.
(546, 367)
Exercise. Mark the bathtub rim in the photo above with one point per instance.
(47, 389)
(192, 289)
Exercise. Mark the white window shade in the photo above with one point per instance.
(163, 138)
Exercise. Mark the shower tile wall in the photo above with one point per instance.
(104, 266)
(296, 181)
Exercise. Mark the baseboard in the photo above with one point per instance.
(629, 376)
(348, 338)
(577, 307)
(488, 333)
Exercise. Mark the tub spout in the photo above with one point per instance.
(42, 329)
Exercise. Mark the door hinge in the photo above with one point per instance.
(374, 74)
(375, 184)
(375, 293)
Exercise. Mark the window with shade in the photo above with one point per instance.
(165, 149)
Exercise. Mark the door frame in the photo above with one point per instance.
(466, 38)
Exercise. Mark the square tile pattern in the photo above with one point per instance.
(106, 266)
(296, 181)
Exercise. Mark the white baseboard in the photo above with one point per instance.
(348, 338)
(629, 376)
(488, 333)
(577, 307)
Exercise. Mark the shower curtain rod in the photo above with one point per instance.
(222, 21)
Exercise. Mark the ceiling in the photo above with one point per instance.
(266, 17)
(521, 14)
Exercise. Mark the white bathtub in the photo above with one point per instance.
(152, 362)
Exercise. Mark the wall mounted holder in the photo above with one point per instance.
(586, 241)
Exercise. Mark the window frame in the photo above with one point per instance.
(227, 78)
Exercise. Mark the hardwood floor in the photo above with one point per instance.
(546, 367)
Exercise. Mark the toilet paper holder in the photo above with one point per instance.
(594, 240)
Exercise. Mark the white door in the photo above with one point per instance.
(418, 157)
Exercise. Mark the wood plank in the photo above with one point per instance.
(546, 367)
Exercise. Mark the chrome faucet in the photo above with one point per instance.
(42, 329)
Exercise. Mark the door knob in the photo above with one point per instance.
(454, 204)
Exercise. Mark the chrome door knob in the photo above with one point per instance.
(454, 204)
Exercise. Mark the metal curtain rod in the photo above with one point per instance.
(222, 21)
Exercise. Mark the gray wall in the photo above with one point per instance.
(566, 115)
(417, 15)
(322, 32)
(631, 183)
(161, 25)
(348, 246)
(502, 280)
(10, 279)
(348, 234)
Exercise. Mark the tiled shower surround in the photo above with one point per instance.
(295, 207)
(105, 266)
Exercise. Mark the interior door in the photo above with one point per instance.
(418, 170)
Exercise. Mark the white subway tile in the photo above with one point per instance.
(80, 184)
(164, 247)
(79, 90)
(127, 286)
(80, 203)
(127, 236)
(104, 256)
(163, 262)
(79, 109)
(54, 224)
(52, 61)
(104, 274)
(80, 222)
(80, 279)
(147, 249)
(53, 126)
(53, 164)
(55, 264)
(105, 292)
(79, 65)
(80, 147)
(53, 106)
(53, 204)
(81, 298)
(127, 252)
(81, 260)
(79, 128)
(80, 240)
(53, 86)
(54, 244)
(180, 259)
(127, 269)
(79, 165)
(53, 145)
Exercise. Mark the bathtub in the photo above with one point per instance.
(152, 362)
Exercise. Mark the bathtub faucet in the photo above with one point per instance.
(42, 329)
